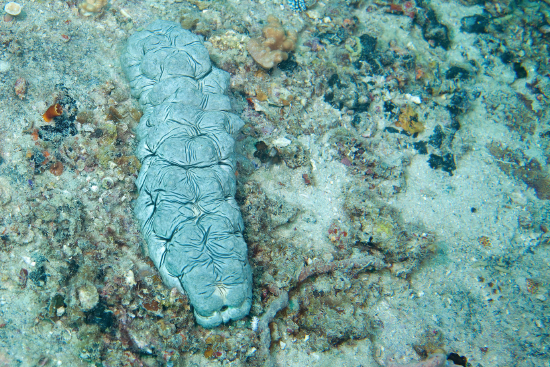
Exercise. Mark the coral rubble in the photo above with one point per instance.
(274, 45)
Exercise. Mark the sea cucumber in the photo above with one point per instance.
(186, 205)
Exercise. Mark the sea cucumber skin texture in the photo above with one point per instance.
(186, 205)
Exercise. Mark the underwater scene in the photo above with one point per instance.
(350, 183)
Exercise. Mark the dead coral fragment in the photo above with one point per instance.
(273, 46)
(277, 305)
(408, 121)
(436, 360)
(367, 262)
(89, 7)
(20, 88)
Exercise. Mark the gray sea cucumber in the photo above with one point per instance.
(186, 205)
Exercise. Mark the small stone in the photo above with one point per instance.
(281, 142)
(130, 279)
(4, 66)
(60, 311)
(312, 14)
(125, 14)
(88, 296)
(414, 99)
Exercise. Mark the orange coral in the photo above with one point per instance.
(53, 111)
(56, 168)
(273, 46)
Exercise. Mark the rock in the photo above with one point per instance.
(88, 296)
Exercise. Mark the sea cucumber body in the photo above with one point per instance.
(186, 205)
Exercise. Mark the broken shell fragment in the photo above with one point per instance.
(12, 8)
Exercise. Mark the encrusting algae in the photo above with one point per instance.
(408, 121)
